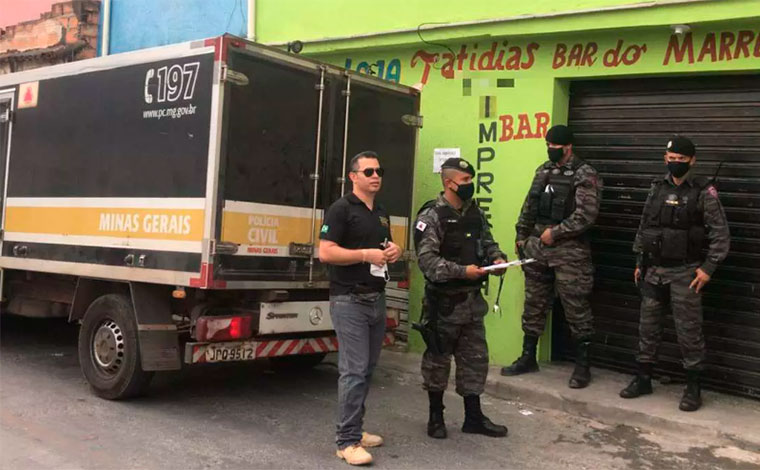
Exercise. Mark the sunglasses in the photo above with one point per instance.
(369, 171)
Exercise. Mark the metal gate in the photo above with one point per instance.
(621, 128)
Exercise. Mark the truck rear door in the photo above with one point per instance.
(384, 120)
(283, 153)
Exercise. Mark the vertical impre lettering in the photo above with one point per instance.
(484, 178)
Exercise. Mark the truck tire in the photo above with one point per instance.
(299, 362)
(109, 352)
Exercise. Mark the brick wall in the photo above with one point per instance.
(69, 31)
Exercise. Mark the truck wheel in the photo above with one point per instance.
(109, 352)
(300, 362)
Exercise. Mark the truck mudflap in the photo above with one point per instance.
(248, 350)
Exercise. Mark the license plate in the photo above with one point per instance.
(222, 353)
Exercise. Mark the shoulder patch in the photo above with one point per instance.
(325, 228)
(421, 226)
(712, 191)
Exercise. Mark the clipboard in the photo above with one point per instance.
(510, 264)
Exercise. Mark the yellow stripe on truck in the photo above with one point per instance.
(266, 228)
(158, 224)
(399, 234)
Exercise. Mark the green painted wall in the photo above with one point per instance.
(535, 84)
(280, 21)
(318, 19)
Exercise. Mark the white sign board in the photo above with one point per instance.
(441, 155)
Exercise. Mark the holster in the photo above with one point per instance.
(429, 335)
(434, 306)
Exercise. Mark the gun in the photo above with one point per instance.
(427, 326)
(429, 336)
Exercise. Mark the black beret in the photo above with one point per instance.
(559, 135)
(458, 164)
(682, 145)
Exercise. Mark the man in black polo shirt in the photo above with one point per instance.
(356, 243)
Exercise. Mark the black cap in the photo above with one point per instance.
(559, 135)
(682, 145)
(458, 164)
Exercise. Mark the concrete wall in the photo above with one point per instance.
(360, 25)
(69, 31)
(138, 24)
(14, 12)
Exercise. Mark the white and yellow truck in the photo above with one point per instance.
(169, 201)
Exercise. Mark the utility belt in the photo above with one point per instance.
(434, 292)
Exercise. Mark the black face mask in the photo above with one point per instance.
(465, 191)
(678, 169)
(555, 154)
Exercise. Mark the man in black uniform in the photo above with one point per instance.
(356, 242)
(560, 208)
(454, 242)
(681, 216)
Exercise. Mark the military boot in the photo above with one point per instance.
(641, 384)
(475, 422)
(527, 361)
(692, 394)
(582, 374)
(436, 427)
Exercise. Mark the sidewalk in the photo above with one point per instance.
(721, 416)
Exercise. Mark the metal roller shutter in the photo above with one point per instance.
(621, 127)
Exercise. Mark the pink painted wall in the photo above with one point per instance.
(16, 11)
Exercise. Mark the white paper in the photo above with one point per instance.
(441, 155)
(511, 264)
(379, 271)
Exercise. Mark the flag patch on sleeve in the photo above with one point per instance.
(421, 226)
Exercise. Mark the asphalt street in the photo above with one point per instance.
(238, 416)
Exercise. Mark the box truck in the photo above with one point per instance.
(169, 201)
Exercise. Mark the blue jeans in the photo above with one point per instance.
(359, 321)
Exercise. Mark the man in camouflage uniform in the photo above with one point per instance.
(453, 242)
(682, 214)
(562, 204)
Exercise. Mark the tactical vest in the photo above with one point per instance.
(461, 242)
(673, 232)
(554, 194)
